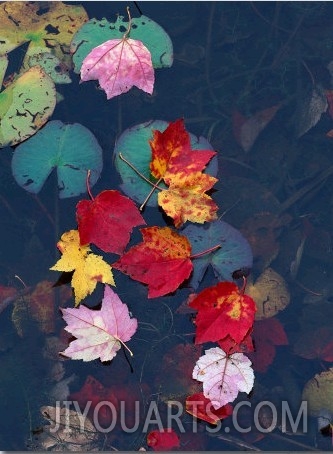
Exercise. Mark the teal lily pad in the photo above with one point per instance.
(71, 148)
(234, 253)
(134, 146)
(95, 32)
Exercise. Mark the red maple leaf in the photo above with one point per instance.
(172, 153)
(162, 440)
(223, 310)
(107, 221)
(162, 260)
(267, 334)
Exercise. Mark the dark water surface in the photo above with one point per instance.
(230, 58)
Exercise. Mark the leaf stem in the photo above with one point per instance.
(88, 185)
(207, 251)
(139, 173)
(129, 24)
(149, 195)
(124, 345)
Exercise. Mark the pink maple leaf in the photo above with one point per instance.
(118, 65)
(223, 375)
(99, 334)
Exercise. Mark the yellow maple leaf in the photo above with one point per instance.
(88, 268)
(185, 200)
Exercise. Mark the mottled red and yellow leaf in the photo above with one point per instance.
(172, 152)
(185, 200)
(162, 260)
(223, 311)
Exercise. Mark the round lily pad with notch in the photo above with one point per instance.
(95, 32)
(70, 148)
(233, 254)
(134, 146)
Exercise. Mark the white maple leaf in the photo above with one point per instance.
(223, 376)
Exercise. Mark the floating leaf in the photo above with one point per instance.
(88, 268)
(72, 149)
(223, 376)
(25, 105)
(48, 26)
(163, 440)
(270, 293)
(99, 333)
(118, 65)
(222, 311)
(95, 32)
(107, 221)
(162, 260)
(234, 253)
(52, 65)
(134, 145)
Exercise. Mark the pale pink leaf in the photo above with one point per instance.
(99, 333)
(118, 65)
(223, 376)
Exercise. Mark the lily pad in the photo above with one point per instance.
(72, 149)
(49, 25)
(95, 32)
(3, 67)
(234, 253)
(25, 106)
(51, 64)
(133, 144)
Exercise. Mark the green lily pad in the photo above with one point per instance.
(49, 25)
(52, 66)
(95, 32)
(3, 67)
(25, 106)
(134, 146)
(71, 148)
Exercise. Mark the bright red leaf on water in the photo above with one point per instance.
(199, 406)
(107, 221)
(267, 333)
(162, 260)
(223, 310)
(163, 440)
(118, 65)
